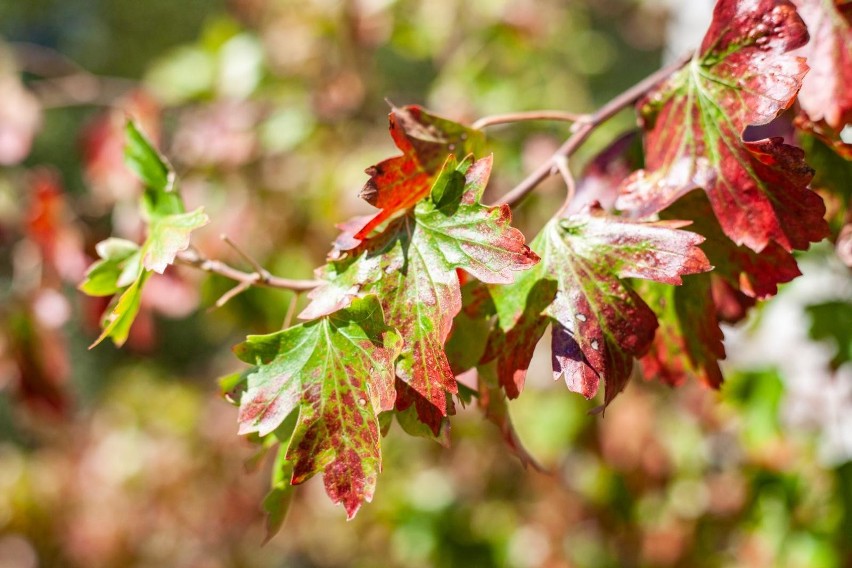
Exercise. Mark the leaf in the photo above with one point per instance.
(119, 259)
(411, 266)
(168, 235)
(126, 265)
(417, 416)
(338, 372)
(493, 402)
(742, 75)
(689, 340)
(755, 274)
(398, 183)
(469, 334)
(161, 197)
(116, 324)
(826, 93)
(833, 320)
(600, 323)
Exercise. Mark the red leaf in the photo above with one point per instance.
(826, 93)
(743, 75)
(398, 183)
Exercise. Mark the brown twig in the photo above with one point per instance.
(508, 118)
(561, 163)
(195, 259)
(585, 128)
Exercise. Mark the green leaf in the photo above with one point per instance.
(338, 372)
(160, 197)
(833, 321)
(118, 267)
(117, 322)
(168, 235)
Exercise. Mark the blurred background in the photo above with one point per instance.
(270, 110)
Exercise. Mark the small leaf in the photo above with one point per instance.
(168, 235)
(742, 75)
(600, 323)
(160, 197)
(118, 268)
(117, 322)
(338, 372)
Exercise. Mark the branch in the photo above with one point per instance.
(556, 115)
(585, 128)
(196, 260)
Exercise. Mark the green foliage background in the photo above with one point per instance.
(270, 110)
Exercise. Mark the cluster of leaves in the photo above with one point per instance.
(436, 283)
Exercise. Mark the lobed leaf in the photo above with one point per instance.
(599, 322)
(411, 266)
(168, 235)
(337, 373)
(744, 74)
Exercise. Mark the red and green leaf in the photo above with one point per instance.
(398, 183)
(411, 265)
(337, 373)
(600, 323)
(689, 340)
(744, 74)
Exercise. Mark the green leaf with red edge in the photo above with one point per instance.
(743, 74)
(689, 340)
(337, 371)
(826, 94)
(411, 266)
(600, 323)
(398, 183)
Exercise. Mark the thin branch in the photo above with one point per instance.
(562, 165)
(196, 260)
(232, 293)
(291, 311)
(508, 118)
(262, 274)
(584, 130)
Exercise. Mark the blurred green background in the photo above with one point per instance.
(270, 111)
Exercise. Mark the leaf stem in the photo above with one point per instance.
(508, 118)
(197, 260)
(585, 128)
